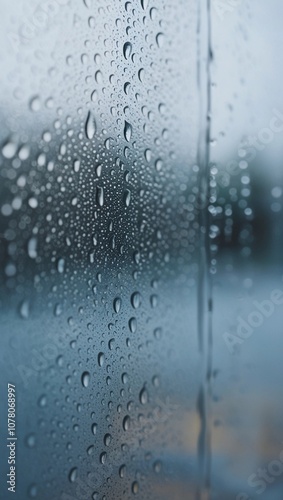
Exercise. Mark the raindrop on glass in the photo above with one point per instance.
(85, 379)
(128, 129)
(90, 126)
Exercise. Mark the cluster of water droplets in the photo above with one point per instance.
(95, 208)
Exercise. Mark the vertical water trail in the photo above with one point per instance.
(204, 281)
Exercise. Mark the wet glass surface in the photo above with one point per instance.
(141, 249)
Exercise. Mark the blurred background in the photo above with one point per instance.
(141, 236)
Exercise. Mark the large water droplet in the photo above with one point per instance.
(158, 164)
(24, 309)
(32, 248)
(85, 379)
(143, 396)
(34, 103)
(160, 40)
(128, 130)
(144, 4)
(100, 196)
(127, 50)
(77, 165)
(94, 96)
(58, 310)
(122, 471)
(117, 304)
(98, 170)
(90, 126)
(98, 77)
(127, 87)
(127, 197)
(90, 449)
(61, 265)
(147, 155)
(133, 325)
(141, 74)
(135, 487)
(24, 152)
(126, 423)
(9, 149)
(101, 359)
(73, 474)
(33, 203)
(136, 300)
(107, 439)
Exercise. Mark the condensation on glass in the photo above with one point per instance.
(140, 246)
(98, 244)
